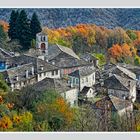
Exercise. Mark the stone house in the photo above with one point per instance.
(70, 94)
(18, 65)
(19, 77)
(87, 93)
(82, 77)
(88, 57)
(112, 104)
(60, 56)
(123, 88)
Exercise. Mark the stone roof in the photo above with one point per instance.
(33, 52)
(88, 56)
(53, 51)
(85, 90)
(134, 69)
(68, 51)
(42, 33)
(60, 85)
(68, 62)
(4, 54)
(10, 75)
(118, 104)
(118, 70)
(37, 63)
(83, 71)
(119, 83)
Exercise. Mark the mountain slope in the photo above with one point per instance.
(61, 17)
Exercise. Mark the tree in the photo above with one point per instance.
(133, 36)
(3, 86)
(23, 30)
(3, 37)
(35, 26)
(54, 110)
(12, 32)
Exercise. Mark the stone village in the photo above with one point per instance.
(78, 79)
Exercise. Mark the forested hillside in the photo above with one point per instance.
(118, 44)
(60, 17)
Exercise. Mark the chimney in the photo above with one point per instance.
(41, 67)
(110, 74)
(53, 63)
(26, 74)
(32, 70)
(17, 78)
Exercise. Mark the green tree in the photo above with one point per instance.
(3, 86)
(35, 26)
(23, 30)
(3, 37)
(12, 32)
(133, 36)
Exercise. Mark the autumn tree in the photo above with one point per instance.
(54, 110)
(120, 53)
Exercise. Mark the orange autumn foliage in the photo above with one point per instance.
(115, 51)
(64, 109)
(5, 25)
(118, 51)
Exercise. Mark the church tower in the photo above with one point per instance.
(42, 42)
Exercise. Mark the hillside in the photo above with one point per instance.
(54, 18)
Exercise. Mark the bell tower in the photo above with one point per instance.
(42, 42)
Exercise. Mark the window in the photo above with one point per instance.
(77, 81)
(44, 73)
(53, 73)
(44, 38)
(93, 77)
(73, 80)
(87, 79)
(56, 72)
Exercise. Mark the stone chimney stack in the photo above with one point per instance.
(26, 73)
(33, 71)
(17, 78)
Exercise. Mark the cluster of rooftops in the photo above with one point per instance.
(53, 69)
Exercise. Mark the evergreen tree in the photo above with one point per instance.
(12, 33)
(35, 26)
(23, 30)
(3, 37)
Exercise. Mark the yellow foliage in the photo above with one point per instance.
(6, 122)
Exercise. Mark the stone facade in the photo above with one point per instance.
(42, 42)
